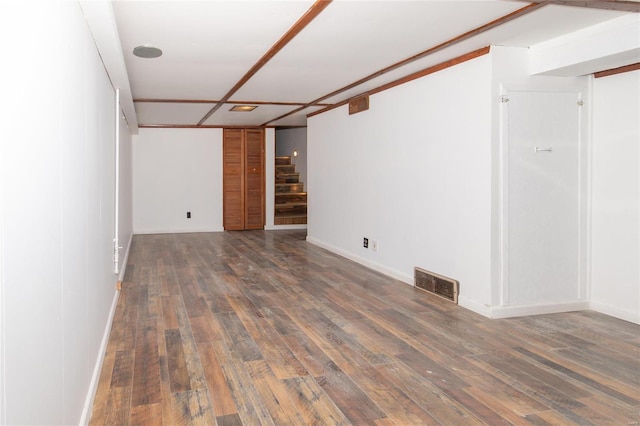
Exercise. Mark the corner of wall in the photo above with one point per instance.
(615, 311)
(474, 306)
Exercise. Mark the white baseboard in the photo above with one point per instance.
(95, 378)
(393, 273)
(616, 312)
(175, 231)
(547, 308)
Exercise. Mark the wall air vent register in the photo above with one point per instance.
(439, 285)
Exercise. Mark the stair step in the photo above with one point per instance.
(289, 197)
(290, 209)
(290, 220)
(291, 215)
(290, 193)
(284, 205)
(284, 161)
(288, 178)
(289, 187)
(297, 213)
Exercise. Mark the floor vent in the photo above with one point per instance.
(436, 284)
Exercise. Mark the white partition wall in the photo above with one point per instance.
(57, 212)
(615, 236)
(413, 174)
(177, 171)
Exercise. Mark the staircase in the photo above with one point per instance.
(291, 200)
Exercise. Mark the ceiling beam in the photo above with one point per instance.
(620, 5)
(305, 20)
(469, 34)
(200, 126)
(211, 101)
(619, 70)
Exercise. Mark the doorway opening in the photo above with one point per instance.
(290, 206)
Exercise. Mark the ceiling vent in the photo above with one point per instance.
(147, 51)
(243, 108)
(358, 104)
(444, 287)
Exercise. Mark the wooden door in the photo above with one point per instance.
(233, 179)
(243, 179)
(254, 179)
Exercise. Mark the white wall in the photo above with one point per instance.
(422, 173)
(180, 170)
(615, 217)
(175, 171)
(57, 212)
(413, 173)
(288, 140)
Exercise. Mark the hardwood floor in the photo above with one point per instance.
(263, 328)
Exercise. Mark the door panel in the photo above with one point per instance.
(233, 179)
(543, 188)
(254, 189)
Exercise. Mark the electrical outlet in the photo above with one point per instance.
(374, 245)
(365, 242)
(188, 215)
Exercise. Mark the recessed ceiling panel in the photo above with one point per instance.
(352, 39)
(170, 113)
(416, 66)
(297, 119)
(207, 45)
(256, 117)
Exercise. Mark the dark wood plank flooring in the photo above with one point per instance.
(248, 328)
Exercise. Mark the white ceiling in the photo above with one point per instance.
(208, 46)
